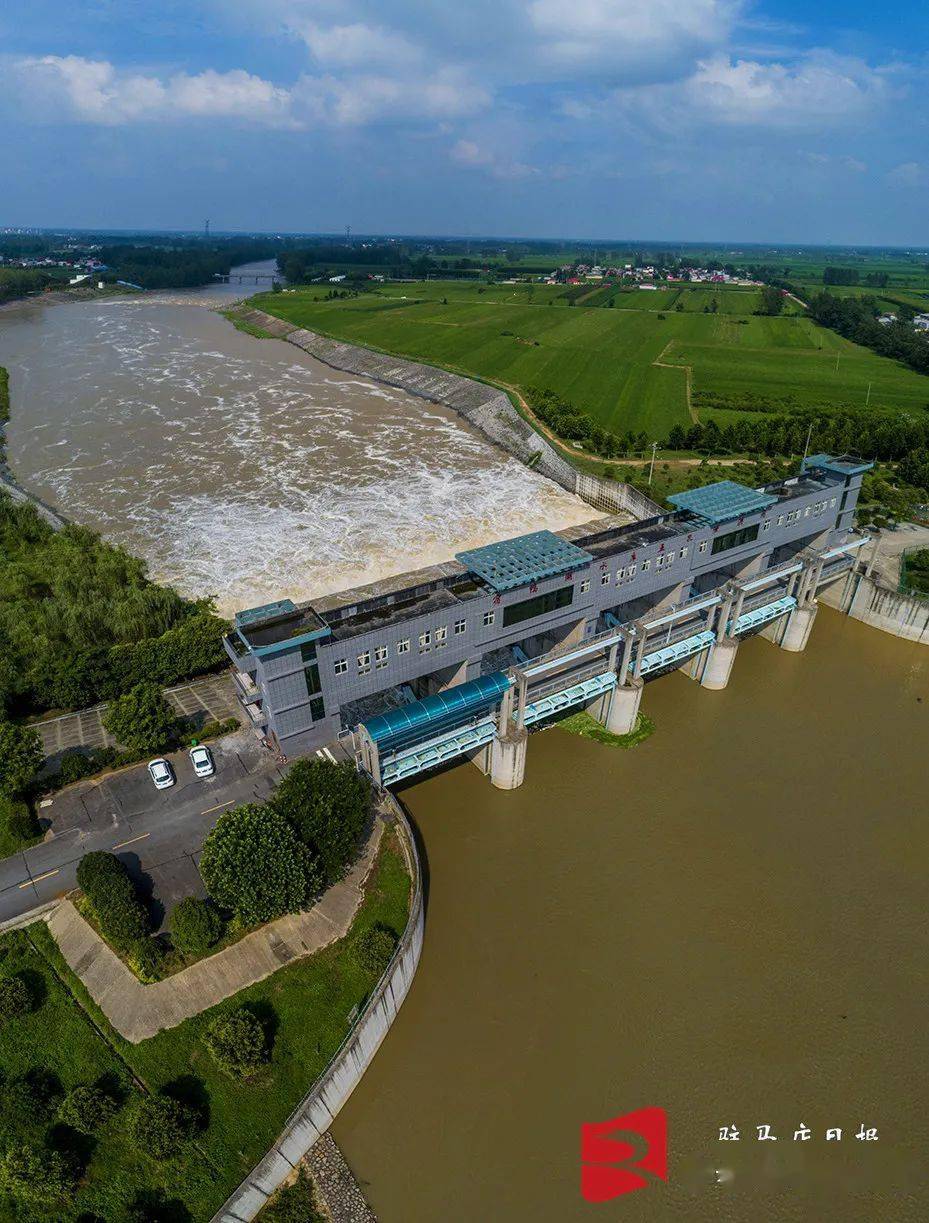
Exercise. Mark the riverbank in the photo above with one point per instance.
(871, 590)
(482, 404)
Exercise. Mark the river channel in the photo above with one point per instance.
(727, 921)
(242, 467)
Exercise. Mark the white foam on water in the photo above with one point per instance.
(237, 470)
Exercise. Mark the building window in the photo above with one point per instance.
(460, 626)
(585, 586)
(538, 606)
(780, 520)
(832, 504)
(441, 637)
(364, 662)
(308, 651)
(317, 709)
(646, 565)
(631, 571)
(766, 524)
(735, 539)
(604, 579)
(702, 547)
(660, 563)
(311, 676)
(669, 559)
(683, 551)
(620, 574)
(340, 666)
(806, 512)
(425, 643)
(380, 657)
(403, 647)
(488, 618)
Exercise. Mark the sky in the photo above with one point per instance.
(681, 120)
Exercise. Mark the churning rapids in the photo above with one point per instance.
(242, 467)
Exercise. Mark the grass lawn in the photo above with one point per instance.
(625, 365)
(589, 728)
(306, 1008)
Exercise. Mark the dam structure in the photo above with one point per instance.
(462, 659)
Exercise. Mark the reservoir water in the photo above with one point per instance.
(727, 921)
(243, 467)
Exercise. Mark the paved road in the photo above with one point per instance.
(157, 834)
(213, 697)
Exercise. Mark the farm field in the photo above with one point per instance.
(625, 367)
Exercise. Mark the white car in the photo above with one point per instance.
(161, 773)
(202, 760)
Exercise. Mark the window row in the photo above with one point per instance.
(432, 637)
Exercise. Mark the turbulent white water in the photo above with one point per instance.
(242, 467)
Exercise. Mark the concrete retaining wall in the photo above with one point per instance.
(866, 598)
(486, 408)
(319, 1106)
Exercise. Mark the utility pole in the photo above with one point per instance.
(809, 434)
(652, 467)
(837, 355)
(868, 396)
(206, 228)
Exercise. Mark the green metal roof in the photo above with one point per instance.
(267, 611)
(528, 558)
(722, 502)
(844, 465)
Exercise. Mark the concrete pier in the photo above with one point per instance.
(508, 759)
(712, 668)
(622, 707)
(793, 631)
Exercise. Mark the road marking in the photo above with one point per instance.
(38, 879)
(217, 807)
(132, 840)
(329, 754)
(319, 752)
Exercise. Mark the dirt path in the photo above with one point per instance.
(688, 379)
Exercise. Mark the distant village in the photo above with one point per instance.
(646, 276)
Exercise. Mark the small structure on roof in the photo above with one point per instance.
(722, 502)
(528, 558)
(843, 465)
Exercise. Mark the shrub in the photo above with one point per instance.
(253, 864)
(327, 804)
(34, 1176)
(293, 1204)
(87, 1109)
(106, 883)
(192, 647)
(142, 720)
(158, 1125)
(195, 926)
(374, 948)
(15, 999)
(146, 957)
(21, 757)
(29, 1101)
(20, 821)
(237, 1042)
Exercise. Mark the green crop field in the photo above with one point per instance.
(625, 365)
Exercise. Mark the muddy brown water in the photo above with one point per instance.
(727, 921)
(243, 467)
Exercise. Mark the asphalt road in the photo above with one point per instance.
(158, 834)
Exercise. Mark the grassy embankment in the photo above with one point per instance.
(587, 727)
(625, 366)
(306, 1008)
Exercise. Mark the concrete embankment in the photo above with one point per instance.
(7, 481)
(487, 408)
(871, 590)
(319, 1107)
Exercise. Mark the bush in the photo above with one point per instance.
(15, 999)
(34, 1176)
(146, 958)
(21, 823)
(87, 1109)
(21, 757)
(158, 1125)
(253, 864)
(195, 926)
(142, 720)
(293, 1204)
(327, 804)
(29, 1101)
(194, 646)
(104, 880)
(375, 947)
(237, 1042)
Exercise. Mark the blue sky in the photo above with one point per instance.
(774, 120)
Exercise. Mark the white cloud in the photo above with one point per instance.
(907, 174)
(61, 88)
(357, 44)
(820, 90)
(469, 153)
(368, 99)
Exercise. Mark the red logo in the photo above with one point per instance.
(614, 1165)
